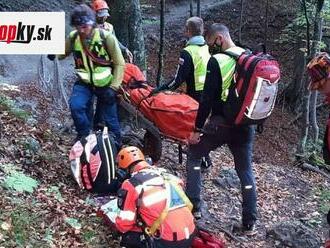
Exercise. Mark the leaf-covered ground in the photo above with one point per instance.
(41, 206)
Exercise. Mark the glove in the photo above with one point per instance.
(111, 210)
(129, 56)
(51, 57)
(157, 90)
(154, 91)
(122, 175)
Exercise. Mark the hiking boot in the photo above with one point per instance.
(206, 164)
(246, 229)
(197, 214)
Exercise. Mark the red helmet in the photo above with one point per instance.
(129, 155)
(100, 4)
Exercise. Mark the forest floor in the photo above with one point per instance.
(41, 205)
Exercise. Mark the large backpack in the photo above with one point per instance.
(252, 95)
(93, 163)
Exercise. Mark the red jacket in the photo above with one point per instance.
(178, 224)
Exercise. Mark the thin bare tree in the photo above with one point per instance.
(317, 37)
(241, 23)
(310, 99)
(199, 8)
(161, 42)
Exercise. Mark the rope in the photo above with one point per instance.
(52, 87)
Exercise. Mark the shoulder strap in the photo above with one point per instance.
(231, 54)
(168, 183)
(73, 39)
(99, 61)
(85, 162)
(103, 39)
(155, 226)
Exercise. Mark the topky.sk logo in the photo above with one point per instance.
(21, 33)
(32, 32)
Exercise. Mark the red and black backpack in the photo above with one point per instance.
(93, 163)
(252, 95)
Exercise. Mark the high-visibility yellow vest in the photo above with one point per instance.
(87, 70)
(227, 66)
(200, 56)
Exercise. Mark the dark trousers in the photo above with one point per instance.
(80, 101)
(240, 142)
(137, 240)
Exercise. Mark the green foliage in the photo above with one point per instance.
(150, 21)
(89, 236)
(297, 29)
(324, 195)
(54, 190)
(18, 181)
(73, 223)
(9, 105)
(22, 223)
(49, 236)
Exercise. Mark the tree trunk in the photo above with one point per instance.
(161, 42)
(191, 8)
(266, 25)
(313, 117)
(305, 119)
(309, 104)
(199, 14)
(317, 37)
(127, 20)
(294, 93)
(307, 94)
(241, 23)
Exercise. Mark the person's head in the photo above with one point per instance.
(83, 19)
(319, 71)
(218, 36)
(194, 27)
(130, 157)
(101, 9)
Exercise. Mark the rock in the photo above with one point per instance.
(294, 234)
(228, 179)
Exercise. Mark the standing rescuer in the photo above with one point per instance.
(193, 61)
(192, 65)
(102, 14)
(217, 131)
(153, 207)
(92, 50)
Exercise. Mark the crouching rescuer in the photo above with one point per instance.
(153, 208)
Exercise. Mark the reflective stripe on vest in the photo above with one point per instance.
(200, 56)
(227, 66)
(87, 71)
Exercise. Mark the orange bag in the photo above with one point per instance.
(174, 114)
(133, 73)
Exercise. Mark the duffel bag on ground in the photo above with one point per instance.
(205, 239)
